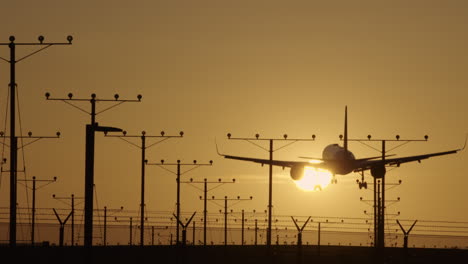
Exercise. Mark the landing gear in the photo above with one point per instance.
(334, 180)
(362, 183)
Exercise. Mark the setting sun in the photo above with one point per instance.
(314, 179)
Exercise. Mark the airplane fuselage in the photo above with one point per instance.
(338, 159)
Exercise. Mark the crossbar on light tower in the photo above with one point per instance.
(378, 173)
(72, 199)
(143, 148)
(178, 174)
(13, 150)
(205, 192)
(89, 155)
(226, 199)
(270, 176)
(34, 188)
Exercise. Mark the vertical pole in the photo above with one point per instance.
(382, 219)
(242, 234)
(270, 195)
(225, 220)
(142, 222)
(375, 214)
(131, 240)
(379, 214)
(318, 241)
(178, 201)
(105, 225)
(13, 148)
(33, 210)
(89, 181)
(73, 220)
(193, 235)
(152, 235)
(204, 212)
(255, 241)
(89, 176)
(61, 234)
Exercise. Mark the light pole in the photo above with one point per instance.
(143, 148)
(89, 158)
(270, 175)
(205, 193)
(378, 172)
(13, 150)
(226, 199)
(72, 198)
(105, 221)
(34, 188)
(194, 165)
(184, 227)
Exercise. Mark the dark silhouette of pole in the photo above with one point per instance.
(89, 153)
(205, 195)
(242, 233)
(143, 148)
(270, 168)
(406, 234)
(378, 172)
(72, 198)
(184, 227)
(299, 230)
(256, 228)
(131, 240)
(193, 235)
(318, 239)
(105, 221)
(62, 226)
(13, 139)
(178, 174)
(33, 211)
(238, 199)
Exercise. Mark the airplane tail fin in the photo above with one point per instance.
(345, 139)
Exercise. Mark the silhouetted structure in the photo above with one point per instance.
(406, 234)
(62, 226)
(184, 227)
(143, 148)
(205, 193)
(89, 159)
(270, 175)
(178, 174)
(13, 138)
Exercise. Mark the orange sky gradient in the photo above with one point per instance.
(245, 67)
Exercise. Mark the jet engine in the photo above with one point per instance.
(297, 172)
(378, 171)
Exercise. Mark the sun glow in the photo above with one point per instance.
(314, 179)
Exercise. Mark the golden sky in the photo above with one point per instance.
(244, 67)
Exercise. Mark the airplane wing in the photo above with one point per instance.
(281, 163)
(365, 165)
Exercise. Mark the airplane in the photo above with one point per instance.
(339, 160)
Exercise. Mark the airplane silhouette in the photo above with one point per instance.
(338, 160)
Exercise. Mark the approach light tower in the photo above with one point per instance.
(143, 148)
(226, 199)
(270, 175)
(72, 204)
(13, 139)
(89, 159)
(378, 172)
(194, 165)
(34, 188)
(205, 193)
